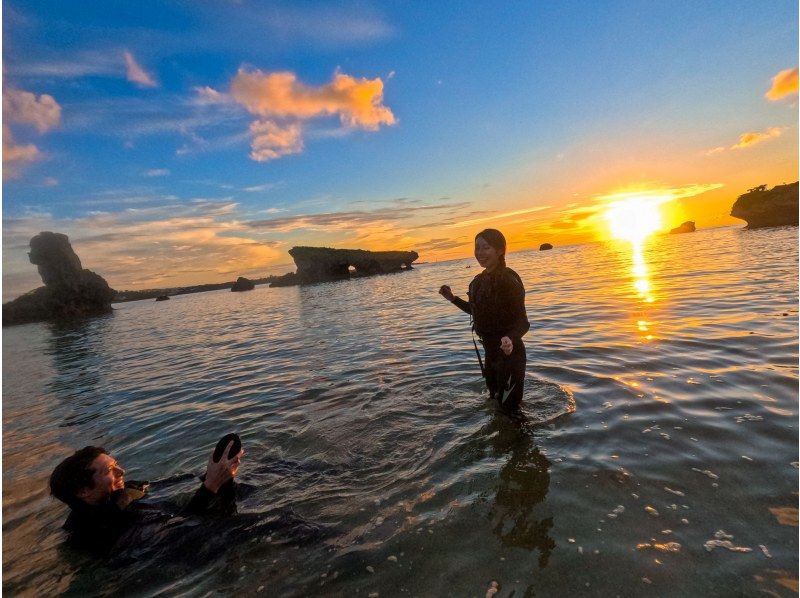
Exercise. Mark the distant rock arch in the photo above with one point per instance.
(319, 264)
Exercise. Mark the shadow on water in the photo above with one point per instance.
(522, 485)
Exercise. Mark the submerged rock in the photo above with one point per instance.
(70, 290)
(762, 208)
(243, 284)
(686, 227)
(321, 264)
(545, 246)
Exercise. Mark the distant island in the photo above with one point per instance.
(686, 227)
(123, 296)
(322, 264)
(762, 208)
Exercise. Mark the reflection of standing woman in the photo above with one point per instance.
(497, 306)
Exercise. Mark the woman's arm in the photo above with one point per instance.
(515, 299)
(457, 301)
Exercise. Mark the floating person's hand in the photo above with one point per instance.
(506, 345)
(446, 292)
(219, 472)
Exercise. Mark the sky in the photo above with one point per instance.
(191, 142)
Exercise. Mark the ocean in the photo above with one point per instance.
(659, 456)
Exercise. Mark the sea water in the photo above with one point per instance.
(362, 411)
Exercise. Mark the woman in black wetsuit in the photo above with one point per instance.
(497, 306)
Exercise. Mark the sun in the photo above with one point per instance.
(634, 218)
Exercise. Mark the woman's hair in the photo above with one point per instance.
(74, 473)
(496, 240)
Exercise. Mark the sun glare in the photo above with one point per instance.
(634, 219)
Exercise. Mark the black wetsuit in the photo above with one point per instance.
(124, 519)
(497, 306)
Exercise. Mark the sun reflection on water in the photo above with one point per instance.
(634, 219)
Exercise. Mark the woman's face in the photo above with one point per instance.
(488, 257)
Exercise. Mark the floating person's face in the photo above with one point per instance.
(488, 257)
(108, 477)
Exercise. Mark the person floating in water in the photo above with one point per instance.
(107, 513)
(497, 306)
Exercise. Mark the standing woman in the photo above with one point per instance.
(497, 306)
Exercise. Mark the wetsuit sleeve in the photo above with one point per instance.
(515, 298)
(462, 305)
(201, 502)
(205, 502)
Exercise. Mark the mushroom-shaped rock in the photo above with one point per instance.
(320, 264)
(686, 227)
(774, 207)
(545, 246)
(69, 291)
(243, 284)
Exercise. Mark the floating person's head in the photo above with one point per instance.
(490, 248)
(89, 476)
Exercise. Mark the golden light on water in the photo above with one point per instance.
(634, 217)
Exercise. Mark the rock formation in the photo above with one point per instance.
(762, 208)
(69, 291)
(320, 264)
(545, 246)
(686, 227)
(243, 284)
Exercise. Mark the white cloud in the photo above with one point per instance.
(136, 74)
(271, 141)
(157, 172)
(24, 107)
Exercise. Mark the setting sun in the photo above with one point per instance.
(634, 219)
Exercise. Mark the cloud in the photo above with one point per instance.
(24, 107)
(83, 64)
(328, 26)
(752, 138)
(783, 84)
(442, 244)
(157, 172)
(716, 150)
(136, 74)
(258, 188)
(350, 220)
(283, 104)
(271, 141)
(208, 95)
(357, 102)
(498, 216)
(16, 156)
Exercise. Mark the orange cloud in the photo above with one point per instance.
(15, 156)
(357, 102)
(783, 84)
(270, 141)
(752, 138)
(24, 107)
(19, 106)
(136, 74)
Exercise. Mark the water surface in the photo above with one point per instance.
(361, 407)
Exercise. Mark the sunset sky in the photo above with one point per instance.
(190, 142)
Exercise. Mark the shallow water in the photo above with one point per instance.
(361, 407)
